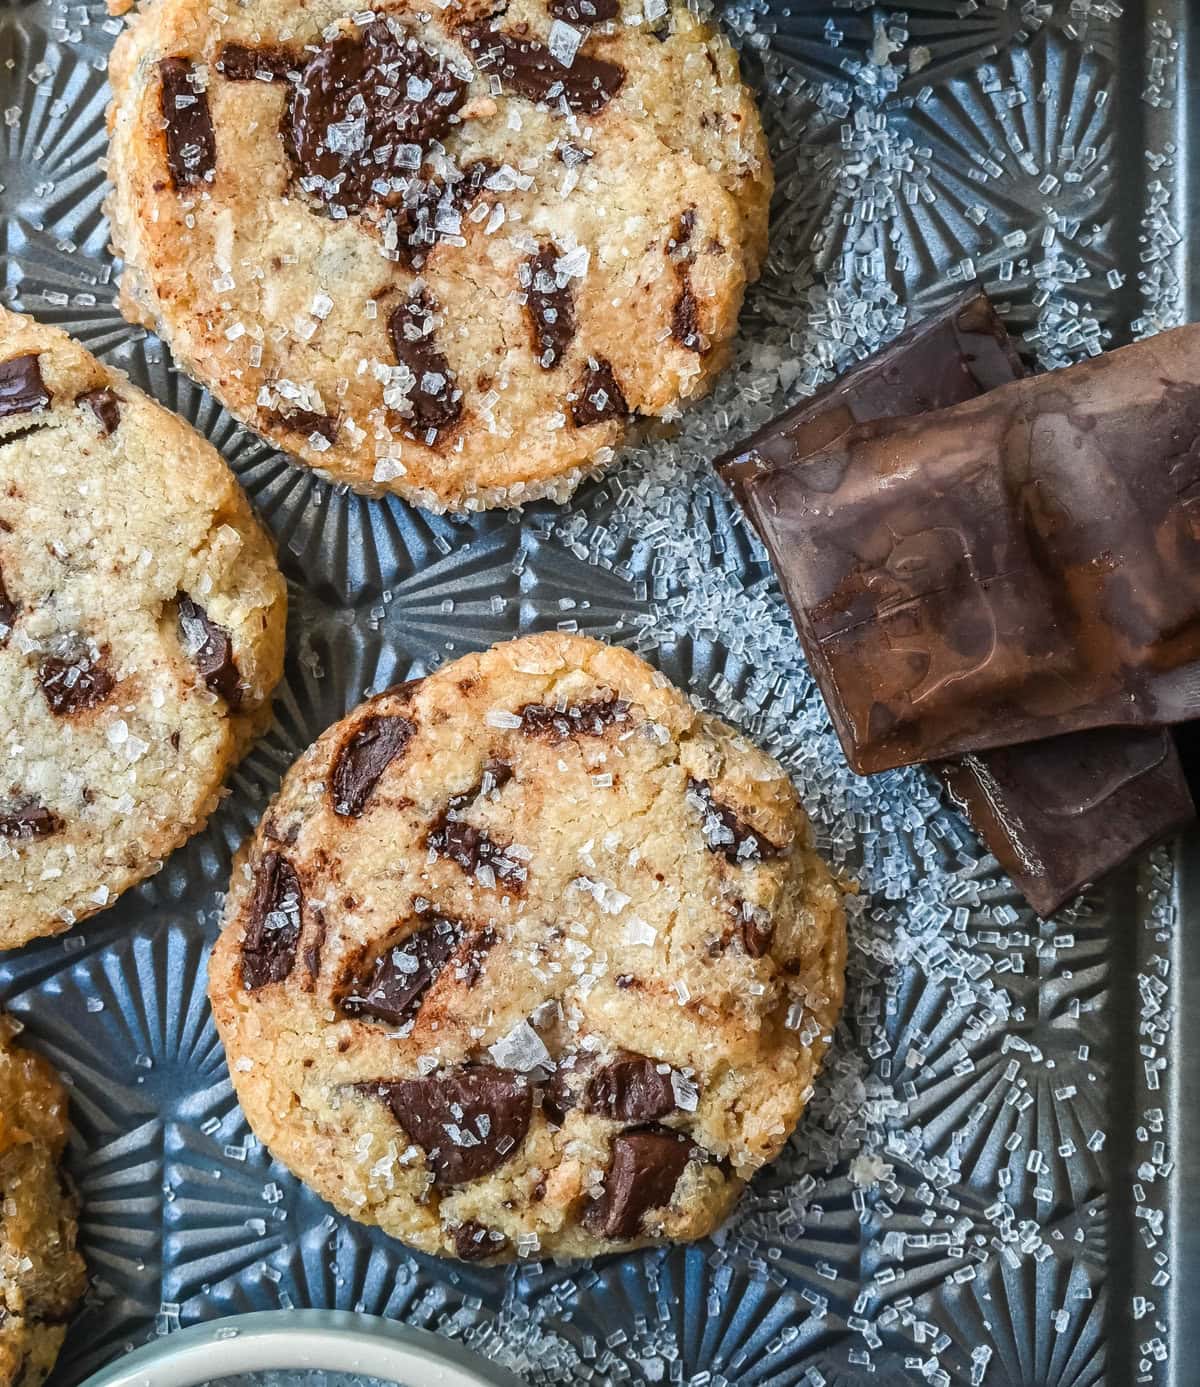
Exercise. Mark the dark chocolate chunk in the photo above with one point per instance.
(646, 1166)
(472, 1241)
(15, 436)
(28, 819)
(1060, 813)
(312, 951)
(74, 683)
(106, 406)
(564, 1088)
(1116, 792)
(463, 191)
(630, 1089)
(584, 12)
(22, 390)
(756, 938)
(1018, 566)
(685, 322)
(238, 62)
(191, 142)
(529, 69)
(361, 105)
(210, 648)
(363, 757)
(434, 401)
(393, 986)
(469, 1120)
(285, 833)
(303, 421)
(8, 611)
(496, 775)
(683, 234)
(755, 928)
(951, 356)
(598, 396)
(473, 955)
(551, 308)
(726, 832)
(273, 929)
(473, 849)
(416, 220)
(590, 719)
(430, 207)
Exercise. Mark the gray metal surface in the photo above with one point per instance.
(995, 1181)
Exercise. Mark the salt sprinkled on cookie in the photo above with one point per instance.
(497, 208)
(583, 1060)
(141, 631)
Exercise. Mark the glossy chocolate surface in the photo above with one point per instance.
(434, 401)
(954, 355)
(188, 128)
(354, 121)
(1015, 567)
(1057, 813)
(528, 69)
(22, 390)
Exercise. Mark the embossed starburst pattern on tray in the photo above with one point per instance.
(977, 1193)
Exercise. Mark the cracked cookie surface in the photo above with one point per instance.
(42, 1277)
(141, 631)
(530, 957)
(449, 251)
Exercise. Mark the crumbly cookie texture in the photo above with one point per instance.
(447, 251)
(529, 957)
(141, 631)
(42, 1277)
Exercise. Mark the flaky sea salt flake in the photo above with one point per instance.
(563, 42)
(521, 1049)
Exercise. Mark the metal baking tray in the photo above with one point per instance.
(995, 1182)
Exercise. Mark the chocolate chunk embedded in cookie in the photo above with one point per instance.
(530, 956)
(446, 252)
(42, 1276)
(141, 631)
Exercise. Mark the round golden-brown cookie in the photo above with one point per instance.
(141, 631)
(447, 251)
(529, 956)
(42, 1277)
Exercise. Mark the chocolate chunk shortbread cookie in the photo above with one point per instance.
(447, 251)
(141, 631)
(42, 1276)
(529, 956)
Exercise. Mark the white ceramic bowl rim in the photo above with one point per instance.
(329, 1340)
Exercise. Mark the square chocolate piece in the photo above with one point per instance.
(1057, 813)
(1020, 565)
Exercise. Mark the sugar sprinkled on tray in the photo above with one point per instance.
(934, 922)
(936, 925)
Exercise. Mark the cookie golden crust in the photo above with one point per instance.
(530, 957)
(446, 251)
(141, 631)
(42, 1277)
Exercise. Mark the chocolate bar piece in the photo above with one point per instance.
(1059, 813)
(1015, 567)
(954, 355)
